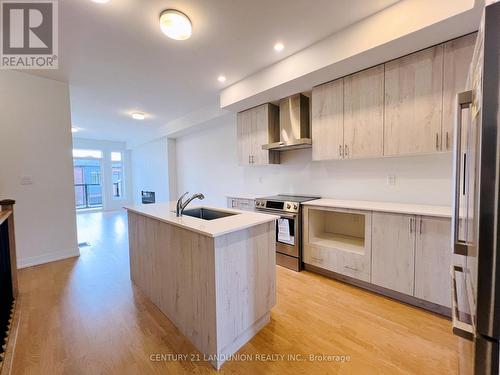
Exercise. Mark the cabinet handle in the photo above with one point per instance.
(350, 268)
(249, 162)
(340, 151)
(320, 260)
(447, 141)
(410, 225)
(346, 148)
(420, 225)
(437, 142)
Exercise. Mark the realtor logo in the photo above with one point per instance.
(29, 34)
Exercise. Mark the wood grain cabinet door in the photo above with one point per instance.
(260, 134)
(364, 113)
(433, 260)
(457, 59)
(256, 127)
(393, 251)
(243, 136)
(327, 126)
(413, 103)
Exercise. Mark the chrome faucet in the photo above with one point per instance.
(181, 206)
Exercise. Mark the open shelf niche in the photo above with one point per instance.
(338, 230)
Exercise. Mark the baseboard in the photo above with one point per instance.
(47, 258)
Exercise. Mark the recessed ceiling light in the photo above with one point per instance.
(176, 25)
(100, 1)
(138, 116)
(221, 78)
(278, 47)
(74, 129)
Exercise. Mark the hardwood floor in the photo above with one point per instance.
(83, 316)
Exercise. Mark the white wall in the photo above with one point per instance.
(207, 162)
(109, 202)
(150, 170)
(35, 142)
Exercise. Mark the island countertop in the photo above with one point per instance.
(211, 228)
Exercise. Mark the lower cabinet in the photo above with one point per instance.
(433, 259)
(409, 254)
(393, 251)
(241, 203)
(338, 240)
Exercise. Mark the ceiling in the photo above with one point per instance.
(117, 61)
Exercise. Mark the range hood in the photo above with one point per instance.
(295, 131)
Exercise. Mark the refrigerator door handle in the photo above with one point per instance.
(464, 100)
(460, 328)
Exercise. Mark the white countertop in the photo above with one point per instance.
(211, 228)
(402, 208)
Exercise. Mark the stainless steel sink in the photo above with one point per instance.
(207, 213)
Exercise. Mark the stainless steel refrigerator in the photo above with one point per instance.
(476, 221)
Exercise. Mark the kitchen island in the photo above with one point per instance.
(214, 279)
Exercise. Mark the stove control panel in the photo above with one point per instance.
(292, 207)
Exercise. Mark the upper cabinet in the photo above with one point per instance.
(403, 107)
(457, 58)
(364, 114)
(413, 103)
(348, 116)
(327, 114)
(256, 127)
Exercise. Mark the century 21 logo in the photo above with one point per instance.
(29, 34)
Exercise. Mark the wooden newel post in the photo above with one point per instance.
(8, 205)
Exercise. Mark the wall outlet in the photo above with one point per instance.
(391, 180)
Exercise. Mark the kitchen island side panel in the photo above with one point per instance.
(245, 263)
(175, 268)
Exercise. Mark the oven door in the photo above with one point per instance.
(288, 235)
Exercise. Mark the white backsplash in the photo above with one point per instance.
(207, 162)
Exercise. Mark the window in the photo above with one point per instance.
(116, 156)
(95, 154)
(88, 189)
(117, 174)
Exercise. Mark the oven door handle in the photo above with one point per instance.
(277, 213)
(286, 216)
(460, 328)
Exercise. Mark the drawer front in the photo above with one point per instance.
(232, 202)
(319, 257)
(246, 204)
(354, 265)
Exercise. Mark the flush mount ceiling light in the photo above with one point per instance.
(100, 1)
(74, 129)
(221, 78)
(138, 116)
(278, 47)
(176, 25)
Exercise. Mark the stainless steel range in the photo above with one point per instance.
(289, 228)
